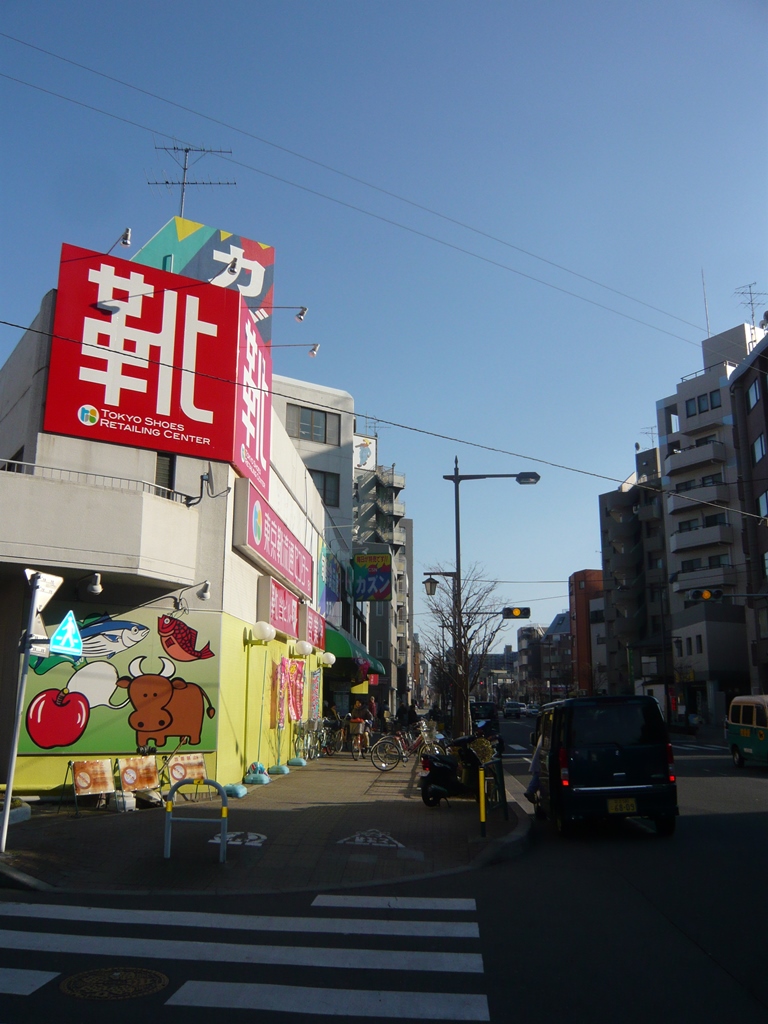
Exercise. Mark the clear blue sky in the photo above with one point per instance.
(623, 142)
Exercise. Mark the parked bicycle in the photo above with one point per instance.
(332, 737)
(390, 750)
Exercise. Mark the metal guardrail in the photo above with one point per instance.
(92, 479)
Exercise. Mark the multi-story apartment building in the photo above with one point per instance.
(637, 639)
(583, 587)
(702, 527)
(529, 676)
(749, 403)
(380, 528)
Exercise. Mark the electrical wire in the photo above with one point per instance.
(99, 353)
(348, 176)
(375, 216)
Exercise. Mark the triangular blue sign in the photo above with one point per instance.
(67, 639)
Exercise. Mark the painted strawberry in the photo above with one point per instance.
(178, 640)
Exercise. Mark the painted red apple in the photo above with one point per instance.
(57, 718)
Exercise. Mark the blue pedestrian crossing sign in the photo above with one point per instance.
(66, 639)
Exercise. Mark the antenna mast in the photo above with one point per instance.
(186, 150)
(746, 290)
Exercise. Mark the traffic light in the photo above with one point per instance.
(705, 595)
(516, 613)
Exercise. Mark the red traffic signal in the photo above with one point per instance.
(516, 613)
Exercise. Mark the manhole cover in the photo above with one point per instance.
(114, 983)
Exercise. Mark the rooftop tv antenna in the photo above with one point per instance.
(186, 150)
(750, 298)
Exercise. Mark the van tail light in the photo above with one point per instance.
(425, 764)
(671, 763)
(563, 760)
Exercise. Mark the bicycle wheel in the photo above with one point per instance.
(356, 747)
(298, 743)
(337, 742)
(385, 754)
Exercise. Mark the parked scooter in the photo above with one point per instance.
(441, 775)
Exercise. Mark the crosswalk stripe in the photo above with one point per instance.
(21, 982)
(394, 903)
(241, 953)
(244, 922)
(332, 1002)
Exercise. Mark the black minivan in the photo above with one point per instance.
(606, 758)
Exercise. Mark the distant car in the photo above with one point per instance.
(513, 709)
(533, 710)
(484, 711)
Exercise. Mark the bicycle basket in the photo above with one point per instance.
(356, 727)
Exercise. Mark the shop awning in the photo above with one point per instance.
(347, 647)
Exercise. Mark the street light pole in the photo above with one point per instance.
(461, 716)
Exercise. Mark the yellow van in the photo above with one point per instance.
(747, 730)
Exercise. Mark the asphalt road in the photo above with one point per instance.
(612, 925)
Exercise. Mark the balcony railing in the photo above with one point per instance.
(684, 540)
(73, 476)
(697, 455)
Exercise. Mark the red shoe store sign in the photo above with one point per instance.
(150, 359)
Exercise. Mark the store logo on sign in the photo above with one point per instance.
(258, 522)
(88, 415)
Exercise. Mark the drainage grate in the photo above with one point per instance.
(114, 983)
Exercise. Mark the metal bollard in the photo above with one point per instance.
(184, 820)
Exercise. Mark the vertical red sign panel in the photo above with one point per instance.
(142, 357)
(253, 404)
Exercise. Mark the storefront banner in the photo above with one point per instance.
(373, 577)
(314, 694)
(330, 576)
(311, 626)
(296, 688)
(277, 606)
(261, 535)
(142, 357)
(282, 685)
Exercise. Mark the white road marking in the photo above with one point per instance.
(16, 981)
(245, 922)
(394, 903)
(332, 1002)
(241, 953)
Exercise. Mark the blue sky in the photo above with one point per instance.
(559, 160)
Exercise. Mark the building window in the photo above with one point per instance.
(690, 407)
(379, 648)
(328, 486)
(703, 403)
(762, 623)
(165, 470)
(690, 565)
(718, 561)
(758, 449)
(678, 647)
(753, 394)
(699, 644)
(313, 425)
(687, 525)
(685, 485)
(712, 480)
(715, 400)
(709, 439)
(762, 504)
(688, 646)
(765, 564)
(718, 519)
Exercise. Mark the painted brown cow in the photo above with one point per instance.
(164, 706)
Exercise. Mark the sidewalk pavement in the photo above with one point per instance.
(335, 823)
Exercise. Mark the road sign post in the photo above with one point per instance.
(43, 589)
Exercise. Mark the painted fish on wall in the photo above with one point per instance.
(178, 640)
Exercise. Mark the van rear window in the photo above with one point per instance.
(624, 724)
